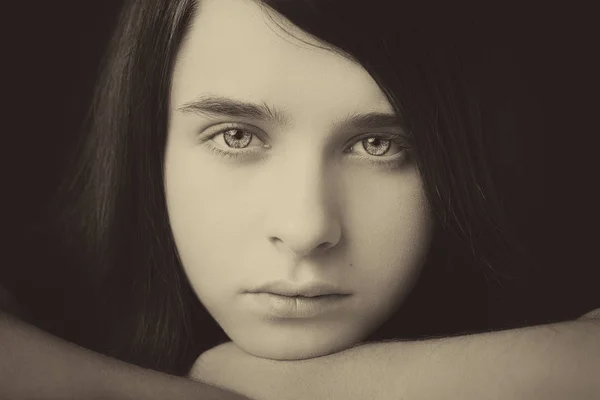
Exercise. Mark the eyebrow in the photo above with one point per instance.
(370, 120)
(222, 106)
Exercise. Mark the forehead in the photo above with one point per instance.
(242, 50)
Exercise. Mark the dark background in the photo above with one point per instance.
(51, 56)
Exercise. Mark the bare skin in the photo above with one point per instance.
(289, 173)
(37, 365)
(378, 371)
(557, 361)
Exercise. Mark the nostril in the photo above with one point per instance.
(302, 250)
(325, 246)
(274, 240)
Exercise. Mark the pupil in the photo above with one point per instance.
(238, 135)
(237, 138)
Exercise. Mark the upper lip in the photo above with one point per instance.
(291, 289)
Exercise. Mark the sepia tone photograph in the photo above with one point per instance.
(299, 199)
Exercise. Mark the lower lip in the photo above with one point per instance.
(294, 307)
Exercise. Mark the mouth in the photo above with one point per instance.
(285, 300)
(306, 290)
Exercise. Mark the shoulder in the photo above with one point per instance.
(594, 314)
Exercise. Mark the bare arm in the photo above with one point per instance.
(556, 361)
(36, 365)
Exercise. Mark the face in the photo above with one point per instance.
(293, 194)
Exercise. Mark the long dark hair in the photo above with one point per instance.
(112, 207)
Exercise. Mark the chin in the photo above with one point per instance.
(289, 353)
(298, 346)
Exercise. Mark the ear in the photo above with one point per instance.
(594, 314)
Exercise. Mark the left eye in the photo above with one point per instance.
(376, 146)
(236, 138)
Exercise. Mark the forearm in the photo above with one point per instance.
(36, 365)
(547, 362)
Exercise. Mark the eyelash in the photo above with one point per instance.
(380, 161)
(389, 161)
(234, 154)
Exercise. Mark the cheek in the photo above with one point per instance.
(389, 228)
(208, 219)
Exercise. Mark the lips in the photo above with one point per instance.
(290, 289)
(287, 300)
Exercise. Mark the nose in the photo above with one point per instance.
(303, 219)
